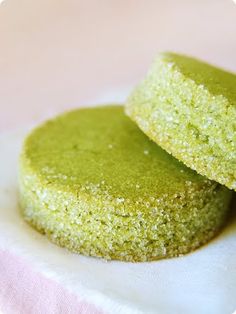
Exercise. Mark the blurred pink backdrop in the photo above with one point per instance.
(55, 55)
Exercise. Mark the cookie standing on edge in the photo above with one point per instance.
(189, 108)
(94, 183)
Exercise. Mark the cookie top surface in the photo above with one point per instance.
(101, 148)
(217, 81)
(188, 107)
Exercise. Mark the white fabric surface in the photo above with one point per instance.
(202, 282)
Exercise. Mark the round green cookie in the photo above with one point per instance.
(189, 108)
(94, 183)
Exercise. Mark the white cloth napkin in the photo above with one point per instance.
(203, 282)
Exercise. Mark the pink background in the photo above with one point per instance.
(56, 55)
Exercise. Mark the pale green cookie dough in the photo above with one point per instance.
(189, 108)
(95, 184)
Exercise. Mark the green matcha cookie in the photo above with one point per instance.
(189, 108)
(94, 183)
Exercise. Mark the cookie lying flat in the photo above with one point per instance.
(189, 108)
(94, 183)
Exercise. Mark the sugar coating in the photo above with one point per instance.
(189, 108)
(95, 184)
